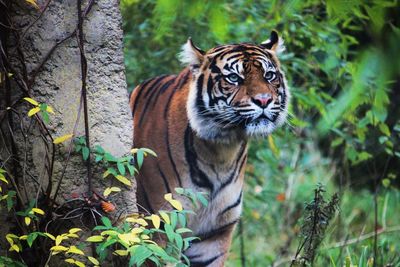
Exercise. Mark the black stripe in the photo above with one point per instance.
(153, 98)
(235, 170)
(163, 89)
(142, 88)
(182, 81)
(233, 205)
(146, 199)
(172, 159)
(210, 86)
(179, 86)
(164, 179)
(214, 233)
(205, 263)
(234, 56)
(154, 85)
(199, 97)
(241, 167)
(197, 176)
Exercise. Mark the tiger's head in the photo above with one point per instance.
(237, 90)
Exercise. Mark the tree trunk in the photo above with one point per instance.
(68, 55)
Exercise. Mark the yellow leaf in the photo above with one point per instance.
(33, 111)
(136, 230)
(28, 220)
(168, 196)
(50, 109)
(107, 191)
(175, 203)
(165, 217)
(75, 250)
(14, 247)
(95, 238)
(115, 189)
(63, 138)
(93, 260)
(33, 3)
(58, 248)
(72, 235)
(156, 220)
(70, 261)
(23, 237)
(141, 222)
(3, 178)
(79, 263)
(50, 236)
(30, 100)
(123, 180)
(74, 230)
(106, 173)
(58, 240)
(38, 211)
(129, 238)
(121, 252)
(144, 236)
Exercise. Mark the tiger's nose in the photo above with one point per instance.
(262, 100)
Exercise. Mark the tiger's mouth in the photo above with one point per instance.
(265, 118)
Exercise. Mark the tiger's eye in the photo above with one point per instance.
(270, 75)
(233, 77)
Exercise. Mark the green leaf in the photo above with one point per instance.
(10, 201)
(141, 254)
(384, 129)
(386, 182)
(131, 169)
(179, 190)
(178, 241)
(202, 199)
(139, 158)
(121, 168)
(106, 221)
(98, 158)
(45, 116)
(109, 157)
(170, 232)
(182, 220)
(31, 238)
(183, 230)
(85, 152)
(174, 219)
(99, 149)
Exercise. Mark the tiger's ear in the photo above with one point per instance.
(274, 43)
(191, 55)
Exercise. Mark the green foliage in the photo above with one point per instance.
(344, 129)
(134, 237)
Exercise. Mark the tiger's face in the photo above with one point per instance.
(237, 90)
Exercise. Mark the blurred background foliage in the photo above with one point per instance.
(343, 66)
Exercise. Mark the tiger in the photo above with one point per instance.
(199, 123)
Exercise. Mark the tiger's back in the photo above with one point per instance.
(198, 123)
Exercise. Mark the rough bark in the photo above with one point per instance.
(43, 52)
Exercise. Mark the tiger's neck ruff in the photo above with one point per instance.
(198, 123)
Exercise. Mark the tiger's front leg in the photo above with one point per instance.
(211, 250)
